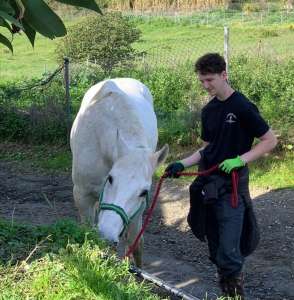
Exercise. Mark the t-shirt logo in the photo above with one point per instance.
(231, 118)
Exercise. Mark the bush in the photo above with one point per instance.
(35, 115)
(105, 40)
(39, 115)
(271, 87)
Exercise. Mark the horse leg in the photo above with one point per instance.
(84, 201)
(133, 231)
(138, 253)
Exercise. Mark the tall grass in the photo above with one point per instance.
(274, 171)
(62, 261)
(163, 5)
(172, 6)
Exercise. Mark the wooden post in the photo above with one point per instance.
(226, 48)
(67, 97)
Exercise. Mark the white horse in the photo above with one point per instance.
(113, 142)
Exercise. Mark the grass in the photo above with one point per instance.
(166, 42)
(275, 171)
(46, 157)
(187, 42)
(220, 17)
(27, 61)
(62, 261)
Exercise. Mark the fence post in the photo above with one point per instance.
(226, 48)
(67, 97)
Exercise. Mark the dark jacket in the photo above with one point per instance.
(207, 189)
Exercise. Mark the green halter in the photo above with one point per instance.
(119, 210)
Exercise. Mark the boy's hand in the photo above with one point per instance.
(174, 168)
(230, 164)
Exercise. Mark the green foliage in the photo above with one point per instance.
(62, 261)
(18, 240)
(50, 158)
(170, 87)
(275, 171)
(33, 16)
(30, 115)
(270, 84)
(40, 114)
(179, 128)
(105, 41)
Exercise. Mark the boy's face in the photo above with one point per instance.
(213, 83)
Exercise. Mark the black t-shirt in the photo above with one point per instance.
(229, 127)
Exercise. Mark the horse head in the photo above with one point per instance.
(126, 191)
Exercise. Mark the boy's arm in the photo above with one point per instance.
(194, 158)
(266, 143)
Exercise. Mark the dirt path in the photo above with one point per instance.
(171, 251)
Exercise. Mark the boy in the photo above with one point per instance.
(230, 122)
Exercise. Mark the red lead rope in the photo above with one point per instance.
(234, 200)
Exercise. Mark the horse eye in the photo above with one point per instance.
(144, 193)
(110, 179)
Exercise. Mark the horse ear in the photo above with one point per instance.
(160, 156)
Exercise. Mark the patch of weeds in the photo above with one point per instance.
(19, 240)
(63, 261)
(274, 171)
(57, 161)
(266, 33)
(47, 157)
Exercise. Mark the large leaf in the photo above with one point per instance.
(3, 23)
(30, 32)
(42, 19)
(90, 4)
(6, 7)
(10, 19)
(5, 41)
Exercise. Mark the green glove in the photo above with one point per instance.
(229, 164)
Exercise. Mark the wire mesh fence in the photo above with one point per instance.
(41, 111)
(251, 15)
(36, 111)
(178, 50)
(261, 42)
(264, 42)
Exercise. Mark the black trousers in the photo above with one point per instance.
(231, 233)
(223, 231)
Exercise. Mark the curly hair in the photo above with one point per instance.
(210, 63)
